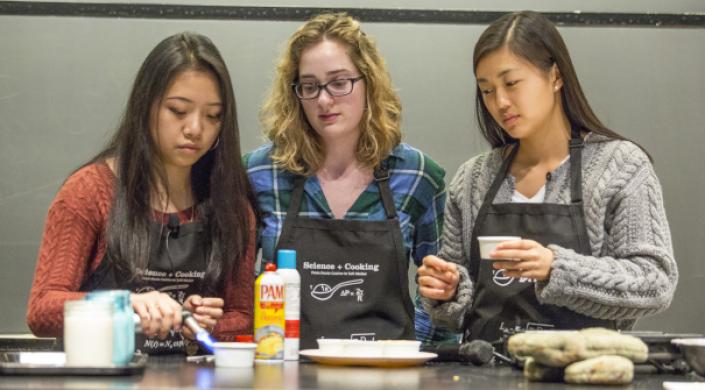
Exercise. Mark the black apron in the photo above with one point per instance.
(177, 264)
(353, 273)
(509, 304)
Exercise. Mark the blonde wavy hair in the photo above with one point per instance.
(296, 145)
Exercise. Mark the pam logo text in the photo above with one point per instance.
(271, 293)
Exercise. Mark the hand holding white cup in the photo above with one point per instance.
(488, 244)
(517, 257)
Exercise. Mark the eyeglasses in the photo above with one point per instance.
(337, 87)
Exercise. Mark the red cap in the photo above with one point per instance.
(270, 267)
(244, 338)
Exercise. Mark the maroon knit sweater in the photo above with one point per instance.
(74, 244)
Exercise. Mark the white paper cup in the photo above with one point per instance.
(234, 354)
(489, 243)
(331, 346)
(400, 347)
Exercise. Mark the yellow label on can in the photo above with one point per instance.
(269, 317)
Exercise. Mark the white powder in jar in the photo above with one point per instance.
(88, 333)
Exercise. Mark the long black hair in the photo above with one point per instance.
(218, 180)
(532, 36)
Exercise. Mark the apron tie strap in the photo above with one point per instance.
(382, 179)
(575, 148)
(292, 212)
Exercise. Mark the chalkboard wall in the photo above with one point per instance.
(64, 81)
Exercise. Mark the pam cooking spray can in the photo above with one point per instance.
(286, 264)
(269, 316)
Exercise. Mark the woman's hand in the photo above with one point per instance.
(206, 311)
(529, 259)
(159, 313)
(438, 279)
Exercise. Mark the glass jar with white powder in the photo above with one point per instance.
(88, 333)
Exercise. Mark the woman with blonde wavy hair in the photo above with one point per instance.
(336, 184)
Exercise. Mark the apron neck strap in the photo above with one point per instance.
(575, 147)
(499, 178)
(382, 179)
(296, 196)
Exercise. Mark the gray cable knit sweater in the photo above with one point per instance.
(631, 271)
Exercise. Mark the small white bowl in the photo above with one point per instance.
(489, 243)
(331, 346)
(234, 354)
(363, 348)
(400, 347)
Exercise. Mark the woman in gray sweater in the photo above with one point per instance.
(596, 247)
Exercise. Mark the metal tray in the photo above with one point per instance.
(52, 363)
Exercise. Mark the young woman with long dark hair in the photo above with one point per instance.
(165, 210)
(596, 247)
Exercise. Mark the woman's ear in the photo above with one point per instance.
(556, 78)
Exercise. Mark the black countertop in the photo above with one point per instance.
(176, 373)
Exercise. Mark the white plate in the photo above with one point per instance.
(374, 361)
